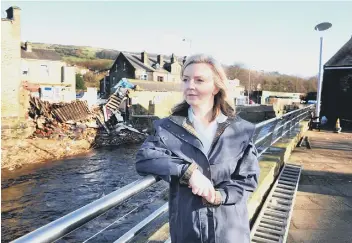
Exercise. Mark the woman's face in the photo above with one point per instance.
(198, 85)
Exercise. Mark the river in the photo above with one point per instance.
(38, 194)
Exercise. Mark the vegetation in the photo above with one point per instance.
(95, 59)
(80, 82)
(91, 64)
(98, 59)
(93, 79)
(273, 81)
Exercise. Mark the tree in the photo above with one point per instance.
(80, 85)
(234, 71)
(92, 79)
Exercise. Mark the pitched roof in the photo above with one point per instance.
(137, 63)
(343, 57)
(41, 54)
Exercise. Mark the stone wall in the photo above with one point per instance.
(10, 63)
(154, 103)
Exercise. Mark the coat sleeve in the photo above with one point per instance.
(154, 158)
(245, 177)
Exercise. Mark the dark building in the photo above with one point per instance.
(336, 95)
(149, 67)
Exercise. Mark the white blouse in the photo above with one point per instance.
(206, 134)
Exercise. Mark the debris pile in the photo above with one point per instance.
(101, 125)
(121, 134)
(63, 120)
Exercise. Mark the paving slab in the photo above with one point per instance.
(323, 206)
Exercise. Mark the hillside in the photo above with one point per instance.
(86, 56)
(98, 59)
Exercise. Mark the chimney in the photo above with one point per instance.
(27, 46)
(13, 13)
(160, 59)
(173, 58)
(184, 59)
(144, 58)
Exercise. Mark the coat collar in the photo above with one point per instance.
(182, 120)
(219, 119)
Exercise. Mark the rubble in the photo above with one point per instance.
(101, 125)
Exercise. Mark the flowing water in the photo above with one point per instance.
(38, 194)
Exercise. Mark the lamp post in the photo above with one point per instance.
(190, 44)
(320, 27)
(249, 83)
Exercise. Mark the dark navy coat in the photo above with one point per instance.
(231, 165)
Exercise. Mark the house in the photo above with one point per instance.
(336, 96)
(154, 68)
(29, 70)
(45, 68)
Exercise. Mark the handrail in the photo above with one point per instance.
(274, 129)
(77, 218)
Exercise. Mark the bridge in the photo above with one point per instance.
(271, 207)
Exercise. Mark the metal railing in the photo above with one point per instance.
(267, 133)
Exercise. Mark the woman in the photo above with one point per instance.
(207, 155)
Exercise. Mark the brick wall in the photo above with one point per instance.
(10, 65)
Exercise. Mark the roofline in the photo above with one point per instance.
(337, 67)
(338, 52)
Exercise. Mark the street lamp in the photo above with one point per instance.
(249, 83)
(190, 44)
(320, 27)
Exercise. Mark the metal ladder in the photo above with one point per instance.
(273, 221)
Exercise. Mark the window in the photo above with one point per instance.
(44, 71)
(116, 68)
(144, 77)
(124, 66)
(160, 79)
(24, 68)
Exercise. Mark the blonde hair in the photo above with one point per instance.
(221, 102)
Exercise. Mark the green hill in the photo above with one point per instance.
(85, 56)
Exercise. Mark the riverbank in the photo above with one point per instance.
(16, 152)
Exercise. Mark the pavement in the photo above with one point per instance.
(323, 206)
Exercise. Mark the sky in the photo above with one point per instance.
(270, 36)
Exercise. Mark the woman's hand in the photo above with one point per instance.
(202, 186)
